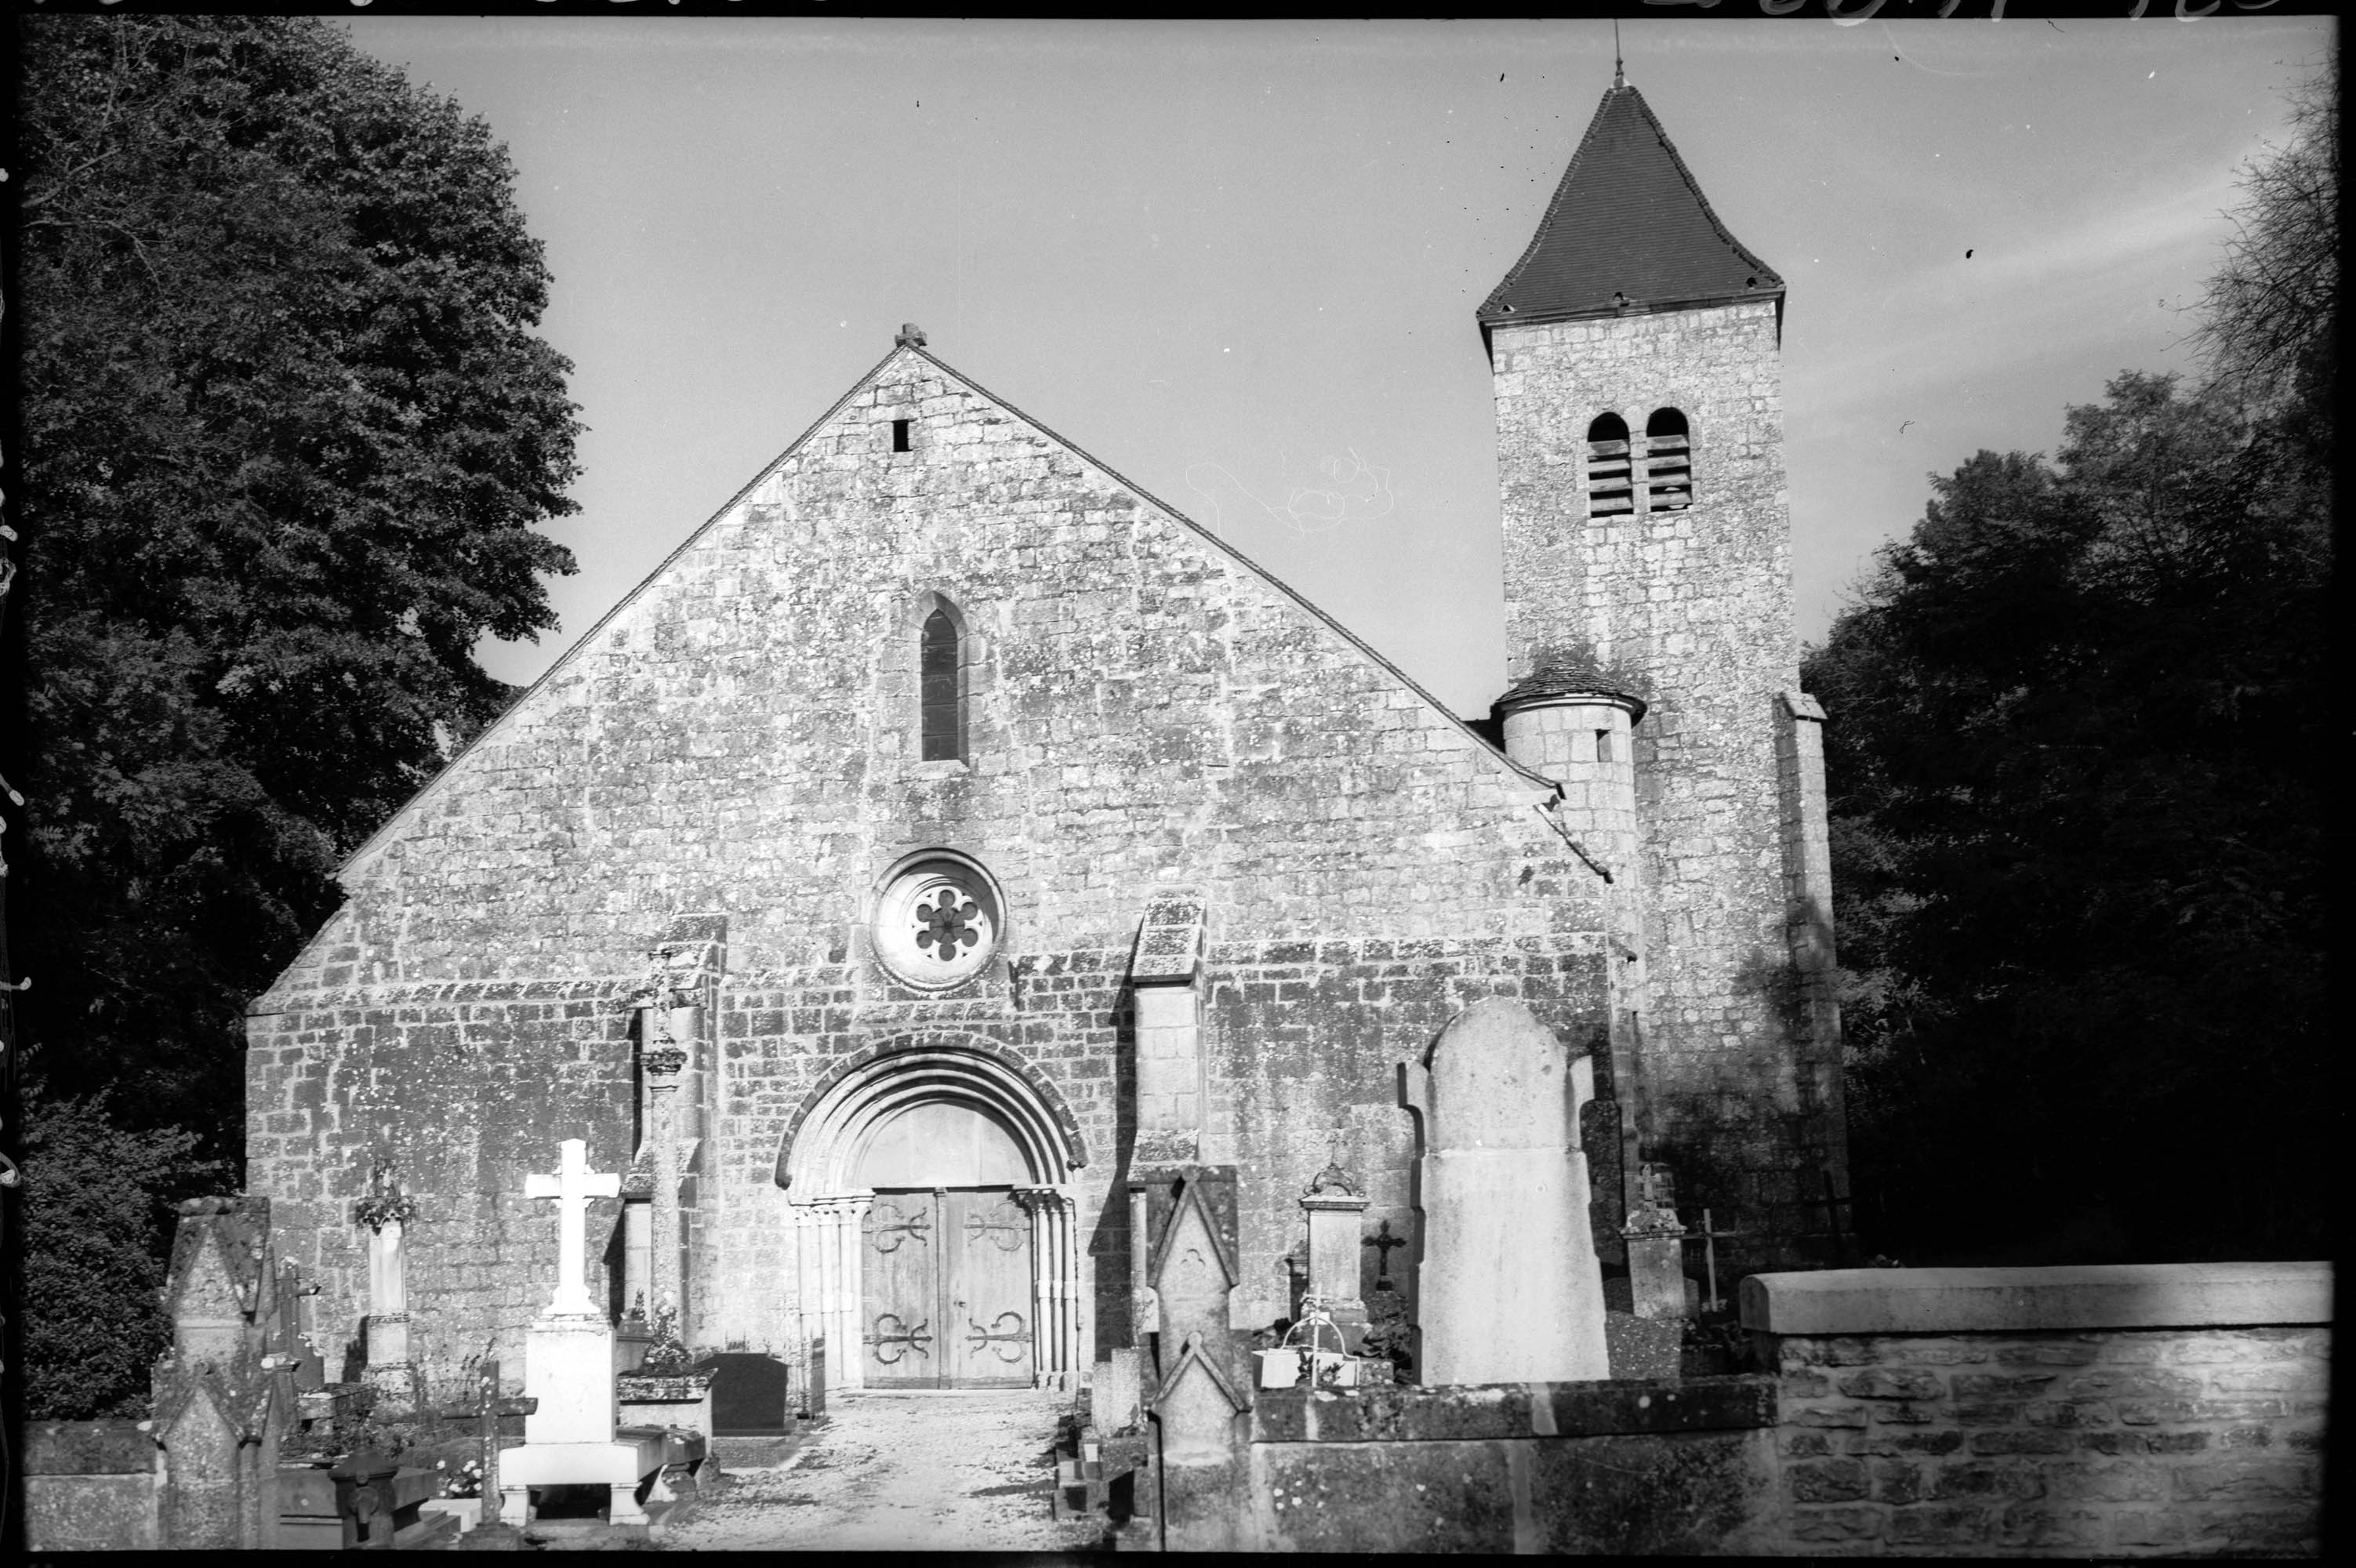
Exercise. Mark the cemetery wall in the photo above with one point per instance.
(1694, 606)
(2116, 1412)
(1621, 1468)
(1141, 708)
(91, 1486)
(2149, 1410)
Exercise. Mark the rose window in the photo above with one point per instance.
(938, 923)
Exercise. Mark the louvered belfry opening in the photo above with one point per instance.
(1609, 490)
(937, 689)
(1668, 462)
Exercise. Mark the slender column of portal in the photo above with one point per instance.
(1069, 1283)
(810, 1302)
(849, 1328)
(1049, 1277)
(1058, 1218)
(841, 1351)
(841, 1362)
(1043, 1285)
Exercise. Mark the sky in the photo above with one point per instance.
(1238, 262)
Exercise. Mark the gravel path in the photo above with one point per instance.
(942, 1472)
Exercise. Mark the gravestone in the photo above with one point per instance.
(223, 1399)
(1333, 1207)
(1510, 1289)
(569, 1434)
(391, 1371)
(1656, 1247)
(751, 1395)
(1200, 1487)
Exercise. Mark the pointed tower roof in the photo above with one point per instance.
(1627, 225)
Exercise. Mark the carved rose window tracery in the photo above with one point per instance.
(938, 924)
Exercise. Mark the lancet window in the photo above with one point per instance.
(941, 687)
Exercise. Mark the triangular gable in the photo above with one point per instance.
(1191, 1359)
(1627, 225)
(205, 1282)
(1190, 1201)
(408, 811)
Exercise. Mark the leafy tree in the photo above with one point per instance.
(288, 429)
(2272, 312)
(2079, 765)
(2079, 784)
(96, 1229)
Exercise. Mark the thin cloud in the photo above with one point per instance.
(2050, 296)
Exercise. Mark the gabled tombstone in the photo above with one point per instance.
(1509, 1289)
(1192, 1265)
(223, 1397)
(1200, 1488)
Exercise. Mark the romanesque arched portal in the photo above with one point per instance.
(934, 1242)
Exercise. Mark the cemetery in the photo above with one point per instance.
(2123, 1410)
(961, 932)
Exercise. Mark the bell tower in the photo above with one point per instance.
(1653, 670)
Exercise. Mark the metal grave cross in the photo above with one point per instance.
(1709, 1235)
(1383, 1242)
(573, 1186)
(486, 1409)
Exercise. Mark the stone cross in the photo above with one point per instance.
(573, 1186)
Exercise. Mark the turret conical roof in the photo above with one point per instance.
(1627, 225)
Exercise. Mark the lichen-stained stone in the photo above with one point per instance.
(1510, 1284)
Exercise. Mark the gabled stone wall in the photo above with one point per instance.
(740, 738)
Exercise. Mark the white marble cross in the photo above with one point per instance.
(573, 1186)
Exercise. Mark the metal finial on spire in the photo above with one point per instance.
(1619, 71)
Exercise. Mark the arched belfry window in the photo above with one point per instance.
(1668, 462)
(941, 658)
(1608, 487)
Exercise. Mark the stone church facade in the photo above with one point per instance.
(949, 828)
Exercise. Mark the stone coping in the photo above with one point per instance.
(89, 1448)
(2105, 1296)
(1480, 1411)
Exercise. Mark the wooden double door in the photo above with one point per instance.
(947, 1288)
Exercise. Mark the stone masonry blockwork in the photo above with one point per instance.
(1692, 607)
(2162, 1442)
(742, 737)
